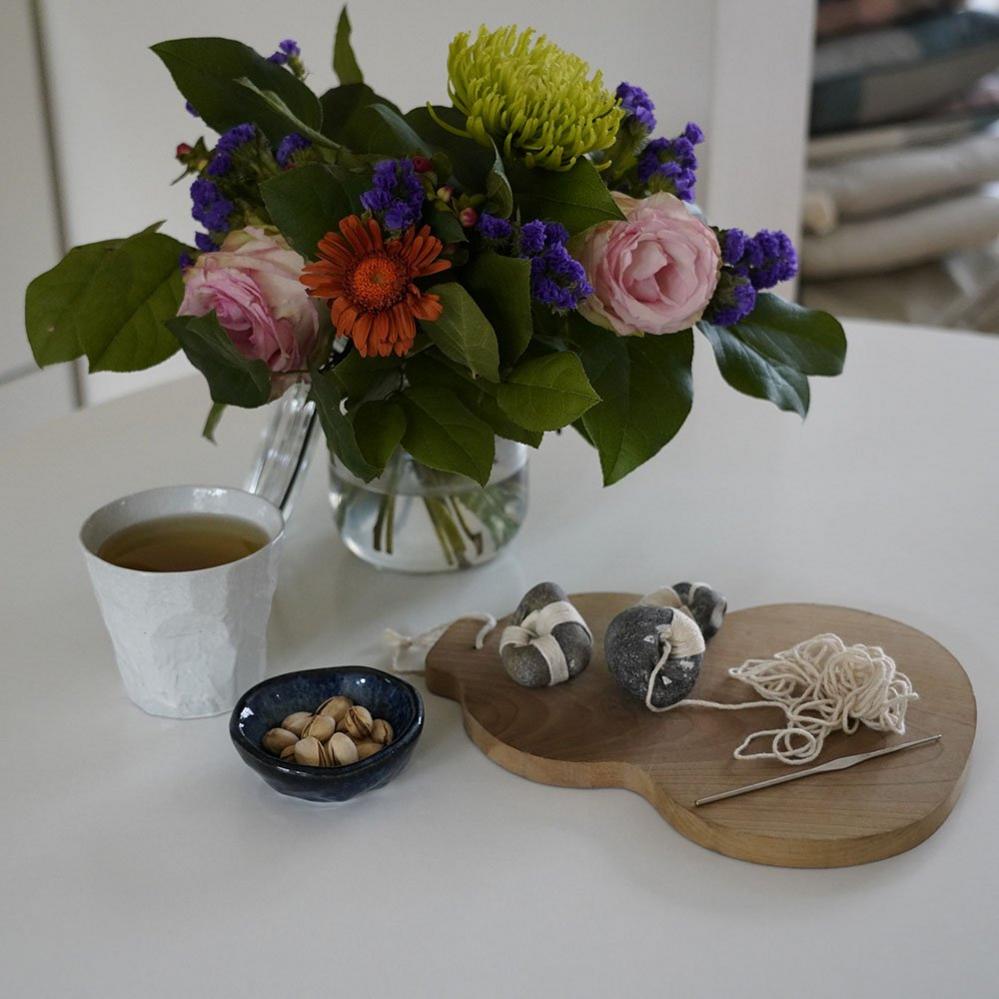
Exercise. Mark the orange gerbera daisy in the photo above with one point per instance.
(369, 282)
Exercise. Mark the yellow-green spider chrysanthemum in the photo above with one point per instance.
(534, 99)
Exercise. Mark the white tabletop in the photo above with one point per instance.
(140, 857)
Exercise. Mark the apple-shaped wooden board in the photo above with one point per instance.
(590, 733)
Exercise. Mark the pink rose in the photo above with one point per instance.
(252, 284)
(655, 272)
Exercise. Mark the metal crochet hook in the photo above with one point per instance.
(842, 763)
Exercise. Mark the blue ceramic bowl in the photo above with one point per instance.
(384, 695)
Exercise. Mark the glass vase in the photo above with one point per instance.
(413, 518)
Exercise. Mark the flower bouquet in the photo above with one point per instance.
(446, 283)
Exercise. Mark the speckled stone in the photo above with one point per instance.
(707, 606)
(632, 649)
(526, 665)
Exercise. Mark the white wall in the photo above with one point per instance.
(740, 69)
(28, 223)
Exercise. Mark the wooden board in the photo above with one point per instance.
(590, 733)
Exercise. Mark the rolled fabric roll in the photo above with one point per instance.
(547, 642)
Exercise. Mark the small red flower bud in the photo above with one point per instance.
(183, 149)
(422, 165)
(468, 217)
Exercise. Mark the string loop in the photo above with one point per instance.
(822, 685)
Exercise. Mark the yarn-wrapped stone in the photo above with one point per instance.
(525, 662)
(635, 643)
(704, 604)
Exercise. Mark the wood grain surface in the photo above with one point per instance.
(590, 733)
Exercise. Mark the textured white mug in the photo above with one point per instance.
(187, 643)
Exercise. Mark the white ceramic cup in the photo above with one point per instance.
(187, 643)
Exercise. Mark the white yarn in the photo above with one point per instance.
(401, 644)
(821, 685)
(536, 630)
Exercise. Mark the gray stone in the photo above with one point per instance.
(526, 665)
(632, 648)
(707, 606)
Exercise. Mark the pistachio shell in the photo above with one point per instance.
(309, 751)
(335, 707)
(297, 721)
(381, 732)
(276, 739)
(368, 748)
(341, 749)
(356, 723)
(321, 726)
(288, 753)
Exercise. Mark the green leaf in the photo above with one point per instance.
(207, 71)
(232, 378)
(357, 376)
(645, 389)
(499, 193)
(547, 392)
(502, 288)
(337, 426)
(272, 101)
(339, 103)
(578, 198)
(119, 319)
(305, 204)
(212, 421)
(475, 167)
(443, 434)
(446, 227)
(787, 334)
(344, 61)
(52, 300)
(751, 372)
(429, 368)
(379, 427)
(463, 333)
(376, 128)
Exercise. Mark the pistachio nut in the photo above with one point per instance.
(356, 723)
(276, 739)
(341, 750)
(381, 731)
(335, 707)
(297, 721)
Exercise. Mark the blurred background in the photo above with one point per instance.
(865, 128)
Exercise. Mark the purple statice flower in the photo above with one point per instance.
(191, 109)
(638, 105)
(493, 227)
(184, 261)
(209, 206)
(733, 245)
(396, 193)
(672, 163)
(532, 238)
(219, 165)
(771, 259)
(204, 242)
(693, 133)
(233, 138)
(287, 49)
(288, 146)
(557, 278)
(732, 303)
